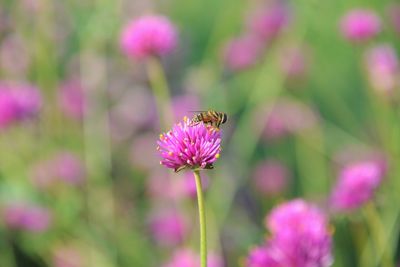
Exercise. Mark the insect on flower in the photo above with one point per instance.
(209, 117)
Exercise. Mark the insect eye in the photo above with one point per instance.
(224, 118)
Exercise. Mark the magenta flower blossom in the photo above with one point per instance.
(188, 258)
(383, 69)
(64, 167)
(71, 99)
(268, 23)
(360, 25)
(28, 217)
(271, 177)
(190, 146)
(300, 237)
(287, 117)
(18, 102)
(168, 228)
(151, 35)
(356, 185)
(242, 53)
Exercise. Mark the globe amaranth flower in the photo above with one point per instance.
(151, 35)
(190, 146)
(356, 185)
(18, 102)
(242, 53)
(168, 227)
(26, 216)
(300, 237)
(360, 25)
(382, 67)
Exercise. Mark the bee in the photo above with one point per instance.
(209, 117)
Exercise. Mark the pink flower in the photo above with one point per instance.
(168, 228)
(242, 53)
(151, 35)
(287, 117)
(383, 68)
(18, 102)
(264, 256)
(294, 62)
(268, 23)
(29, 217)
(190, 146)
(360, 25)
(270, 177)
(188, 258)
(356, 185)
(72, 99)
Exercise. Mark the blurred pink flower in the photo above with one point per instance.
(294, 62)
(29, 217)
(287, 117)
(168, 228)
(356, 185)
(18, 102)
(72, 99)
(264, 256)
(383, 70)
(393, 12)
(271, 177)
(188, 258)
(360, 25)
(187, 185)
(148, 35)
(67, 256)
(189, 146)
(270, 21)
(185, 105)
(300, 235)
(63, 167)
(242, 53)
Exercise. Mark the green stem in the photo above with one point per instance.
(202, 219)
(159, 86)
(378, 235)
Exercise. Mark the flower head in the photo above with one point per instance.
(360, 25)
(168, 228)
(147, 36)
(300, 237)
(29, 217)
(271, 177)
(191, 146)
(356, 184)
(383, 68)
(242, 53)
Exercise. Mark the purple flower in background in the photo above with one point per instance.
(294, 62)
(270, 177)
(18, 102)
(268, 23)
(383, 68)
(242, 53)
(168, 228)
(64, 167)
(191, 146)
(29, 217)
(151, 35)
(188, 258)
(300, 235)
(287, 117)
(72, 99)
(393, 12)
(356, 184)
(360, 25)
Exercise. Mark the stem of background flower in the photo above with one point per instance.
(159, 86)
(202, 220)
(378, 235)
